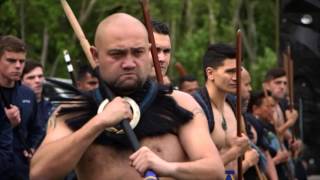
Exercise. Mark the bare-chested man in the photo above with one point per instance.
(219, 66)
(276, 83)
(186, 152)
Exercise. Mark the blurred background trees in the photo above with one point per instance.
(194, 24)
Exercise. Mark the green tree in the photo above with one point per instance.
(193, 24)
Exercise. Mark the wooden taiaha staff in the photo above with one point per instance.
(288, 66)
(149, 174)
(181, 70)
(270, 99)
(78, 31)
(238, 110)
(147, 21)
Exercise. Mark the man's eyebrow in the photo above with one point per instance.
(231, 70)
(116, 49)
(31, 77)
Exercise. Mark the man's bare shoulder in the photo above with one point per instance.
(57, 127)
(188, 102)
(184, 99)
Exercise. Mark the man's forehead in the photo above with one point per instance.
(280, 79)
(229, 62)
(13, 54)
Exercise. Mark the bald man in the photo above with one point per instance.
(172, 148)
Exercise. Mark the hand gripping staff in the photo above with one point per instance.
(148, 175)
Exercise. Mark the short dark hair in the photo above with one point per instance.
(274, 73)
(188, 78)
(29, 66)
(83, 70)
(216, 54)
(160, 27)
(256, 99)
(11, 43)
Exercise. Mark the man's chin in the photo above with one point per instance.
(126, 88)
(15, 79)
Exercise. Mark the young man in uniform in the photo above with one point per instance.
(33, 77)
(22, 112)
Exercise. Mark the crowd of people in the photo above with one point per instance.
(188, 132)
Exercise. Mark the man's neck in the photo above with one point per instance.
(39, 97)
(6, 82)
(217, 97)
(276, 100)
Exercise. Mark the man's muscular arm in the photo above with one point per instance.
(62, 149)
(204, 160)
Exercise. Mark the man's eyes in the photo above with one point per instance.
(138, 52)
(280, 82)
(33, 77)
(13, 61)
(120, 54)
(164, 50)
(117, 54)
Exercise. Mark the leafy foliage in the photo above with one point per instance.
(194, 24)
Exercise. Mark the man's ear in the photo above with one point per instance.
(265, 85)
(210, 73)
(94, 53)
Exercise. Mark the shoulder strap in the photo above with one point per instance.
(232, 101)
(202, 97)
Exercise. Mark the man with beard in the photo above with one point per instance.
(169, 135)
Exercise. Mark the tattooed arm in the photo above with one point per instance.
(205, 161)
(62, 148)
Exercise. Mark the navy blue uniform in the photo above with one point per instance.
(29, 130)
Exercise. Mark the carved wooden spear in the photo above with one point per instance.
(238, 112)
(147, 21)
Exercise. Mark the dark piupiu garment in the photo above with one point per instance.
(160, 114)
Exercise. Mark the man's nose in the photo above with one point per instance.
(18, 64)
(234, 76)
(38, 79)
(129, 62)
(161, 56)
